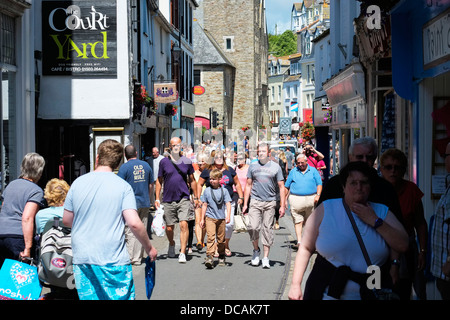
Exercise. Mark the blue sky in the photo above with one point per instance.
(278, 12)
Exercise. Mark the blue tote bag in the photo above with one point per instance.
(19, 281)
(150, 269)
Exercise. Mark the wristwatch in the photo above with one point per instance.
(378, 223)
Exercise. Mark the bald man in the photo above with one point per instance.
(177, 174)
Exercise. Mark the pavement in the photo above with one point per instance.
(238, 280)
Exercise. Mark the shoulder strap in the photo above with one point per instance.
(313, 161)
(358, 235)
(185, 177)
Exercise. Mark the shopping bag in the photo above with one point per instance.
(158, 223)
(240, 221)
(19, 281)
(150, 277)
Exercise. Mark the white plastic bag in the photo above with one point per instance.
(158, 224)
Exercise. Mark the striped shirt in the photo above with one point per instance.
(440, 236)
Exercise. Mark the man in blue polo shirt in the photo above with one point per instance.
(304, 187)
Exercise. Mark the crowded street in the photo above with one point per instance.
(238, 280)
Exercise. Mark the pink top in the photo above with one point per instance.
(242, 176)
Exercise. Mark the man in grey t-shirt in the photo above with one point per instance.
(262, 179)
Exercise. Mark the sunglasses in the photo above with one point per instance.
(389, 167)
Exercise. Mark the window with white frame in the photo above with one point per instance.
(229, 43)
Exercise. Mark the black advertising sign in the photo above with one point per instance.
(79, 38)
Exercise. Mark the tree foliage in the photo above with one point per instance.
(283, 44)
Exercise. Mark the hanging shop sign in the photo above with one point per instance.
(79, 38)
(198, 90)
(436, 40)
(165, 92)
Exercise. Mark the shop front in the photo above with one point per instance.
(420, 74)
(346, 98)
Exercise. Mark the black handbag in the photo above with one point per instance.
(366, 293)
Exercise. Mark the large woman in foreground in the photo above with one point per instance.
(330, 233)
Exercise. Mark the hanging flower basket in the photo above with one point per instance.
(143, 102)
(308, 131)
(328, 116)
(174, 110)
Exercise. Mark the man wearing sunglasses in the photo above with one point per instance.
(365, 149)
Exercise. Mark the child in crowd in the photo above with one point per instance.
(215, 200)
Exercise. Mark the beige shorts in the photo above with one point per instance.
(301, 207)
(176, 211)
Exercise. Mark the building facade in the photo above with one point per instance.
(100, 64)
(239, 29)
(216, 74)
(278, 69)
(18, 87)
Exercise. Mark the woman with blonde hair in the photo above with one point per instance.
(55, 193)
(202, 158)
(229, 178)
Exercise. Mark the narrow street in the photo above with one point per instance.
(238, 280)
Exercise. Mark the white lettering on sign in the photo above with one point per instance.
(436, 40)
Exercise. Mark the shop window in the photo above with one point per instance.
(7, 39)
(8, 128)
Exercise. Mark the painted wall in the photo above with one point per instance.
(87, 97)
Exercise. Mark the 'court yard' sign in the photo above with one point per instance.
(79, 38)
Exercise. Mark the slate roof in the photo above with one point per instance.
(206, 49)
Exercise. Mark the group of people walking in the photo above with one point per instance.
(109, 216)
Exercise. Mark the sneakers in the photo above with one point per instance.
(182, 258)
(199, 246)
(209, 263)
(222, 262)
(255, 258)
(265, 263)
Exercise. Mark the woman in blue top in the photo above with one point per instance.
(229, 178)
(55, 193)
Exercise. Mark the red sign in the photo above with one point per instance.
(198, 90)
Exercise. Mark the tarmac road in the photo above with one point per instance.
(238, 280)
